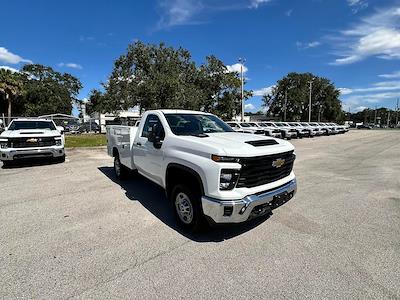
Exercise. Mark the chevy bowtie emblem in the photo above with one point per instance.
(31, 140)
(278, 163)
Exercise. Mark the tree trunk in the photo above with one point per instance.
(8, 98)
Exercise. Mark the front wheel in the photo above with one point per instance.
(187, 207)
(120, 170)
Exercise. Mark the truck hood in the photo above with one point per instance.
(30, 133)
(234, 144)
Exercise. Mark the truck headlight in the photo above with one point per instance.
(58, 142)
(218, 158)
(228, 179)
(3, 144)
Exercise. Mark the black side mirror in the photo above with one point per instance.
(154, 136)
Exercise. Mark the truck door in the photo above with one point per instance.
(147, 158)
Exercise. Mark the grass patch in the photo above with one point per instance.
(85, 140)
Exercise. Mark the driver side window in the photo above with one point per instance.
(151, 120)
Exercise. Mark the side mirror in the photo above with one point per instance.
(154, 136)
(60, 129)
(5, 128)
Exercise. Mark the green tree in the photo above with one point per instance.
(48, 91)
(295, 87)
(156, 76)
(11, 86)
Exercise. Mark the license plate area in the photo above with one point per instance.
(281, 199)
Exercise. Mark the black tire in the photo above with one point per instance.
(120, 171)
(189, 198)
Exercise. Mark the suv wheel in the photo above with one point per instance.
(187, 207)
(120, 170)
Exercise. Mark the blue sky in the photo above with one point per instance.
(355, 43)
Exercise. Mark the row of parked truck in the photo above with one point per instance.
(288, 130)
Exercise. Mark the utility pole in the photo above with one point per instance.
(397, 113)
(284, 114)
(375, 117)
(309, 104)
(319, 113)
(388, 118)
(241, 61)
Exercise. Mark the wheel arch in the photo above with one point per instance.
(178, 169)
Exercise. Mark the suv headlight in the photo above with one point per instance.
(3, 144)
(228, 179)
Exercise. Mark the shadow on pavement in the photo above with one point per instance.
(152, 197)
(33, 162)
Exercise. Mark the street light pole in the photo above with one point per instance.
(241, 61)
(309, 104)
(397, 113)
(284, 113)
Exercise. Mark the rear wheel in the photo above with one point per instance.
(187, 207)
(120, 170)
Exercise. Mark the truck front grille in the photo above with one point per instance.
(29, 142)
(264, 169)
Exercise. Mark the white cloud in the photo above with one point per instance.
(9, 69)
(372, 98)
(303, 46)
(70, 65)
(178, 12)
(263, 91)
(11, 58)
(375, 36)
(357, 5)
(375, 87)
(345, 91)
(391, 75)
(257, 3)
(289, 12)
(236, 68)
(249, 106)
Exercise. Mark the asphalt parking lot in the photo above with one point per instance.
(72, 230)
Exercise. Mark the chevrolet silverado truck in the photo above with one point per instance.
(31, 138)
(211, 174)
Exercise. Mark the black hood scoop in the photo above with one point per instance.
(262, 143)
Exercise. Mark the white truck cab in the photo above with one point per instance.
(209, 171)
(31, 138)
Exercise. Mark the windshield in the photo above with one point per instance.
(245, 124)
(253, 124)
(18, 125)
(279, 124)
(193, 124)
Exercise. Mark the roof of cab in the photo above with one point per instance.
(180, 111)
(33, 120)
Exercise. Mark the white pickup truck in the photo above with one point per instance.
(209, 172)
(31, 138)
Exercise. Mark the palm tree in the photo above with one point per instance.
(11, 85)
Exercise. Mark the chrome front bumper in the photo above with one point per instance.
(16, 154)
(237, 211)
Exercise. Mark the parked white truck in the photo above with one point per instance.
(209, 172)
(31, 138)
